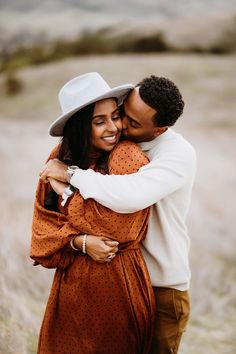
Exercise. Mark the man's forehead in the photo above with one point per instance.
(135, 103)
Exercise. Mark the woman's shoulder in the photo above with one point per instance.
(126, 157)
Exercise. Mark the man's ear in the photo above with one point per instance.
(159, 130)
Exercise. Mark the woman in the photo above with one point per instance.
(93, 308)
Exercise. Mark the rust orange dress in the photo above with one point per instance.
(95, 308)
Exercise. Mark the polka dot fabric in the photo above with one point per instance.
(95, 308)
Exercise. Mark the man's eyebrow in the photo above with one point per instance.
(104, 115)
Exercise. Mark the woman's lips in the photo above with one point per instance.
(111, 139)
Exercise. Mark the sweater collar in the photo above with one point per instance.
(148, 145)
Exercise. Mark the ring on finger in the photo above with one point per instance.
(111, 255)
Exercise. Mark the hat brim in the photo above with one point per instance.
(119, 92)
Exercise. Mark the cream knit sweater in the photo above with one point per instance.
(166, 184)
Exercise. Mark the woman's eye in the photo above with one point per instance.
(99, 123)
(116, 118)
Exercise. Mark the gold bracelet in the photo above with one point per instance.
(72, 244)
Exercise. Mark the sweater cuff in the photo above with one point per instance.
(82, 180)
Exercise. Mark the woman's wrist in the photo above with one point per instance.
(79, 243)
(76, 243)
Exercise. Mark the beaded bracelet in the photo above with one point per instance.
(84, 243)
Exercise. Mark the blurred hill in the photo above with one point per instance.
(184, 23)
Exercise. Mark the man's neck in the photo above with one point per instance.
(147, 145)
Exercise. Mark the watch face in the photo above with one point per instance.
(70, 171)
(72, 168)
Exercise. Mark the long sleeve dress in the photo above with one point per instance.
(95, 308)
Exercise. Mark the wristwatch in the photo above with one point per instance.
(68, 192)
(70, 171)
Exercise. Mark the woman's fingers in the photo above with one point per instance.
(101, 249)
(109, 242)
(113, 245)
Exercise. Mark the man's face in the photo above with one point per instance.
(138, 122)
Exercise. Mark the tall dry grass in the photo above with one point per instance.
(208, 85)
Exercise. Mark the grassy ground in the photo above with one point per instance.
(208, 85)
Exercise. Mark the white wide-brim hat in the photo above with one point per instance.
(80, 92)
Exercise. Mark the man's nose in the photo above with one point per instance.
(124, 123)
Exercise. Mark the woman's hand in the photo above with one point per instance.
(100, 249)
(57, 185)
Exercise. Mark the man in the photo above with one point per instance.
(166, 184)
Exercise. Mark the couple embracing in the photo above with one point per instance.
(109, 215)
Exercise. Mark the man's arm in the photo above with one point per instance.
(130, 193)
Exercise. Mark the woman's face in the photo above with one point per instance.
(106, 125)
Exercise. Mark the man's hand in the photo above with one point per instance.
(98, 248)
(57, 185)
(54, 168)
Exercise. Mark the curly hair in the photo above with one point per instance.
(164, 96)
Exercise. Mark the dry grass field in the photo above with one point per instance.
(208, 84)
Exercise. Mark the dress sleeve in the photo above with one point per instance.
(126, 158)
(51, 232)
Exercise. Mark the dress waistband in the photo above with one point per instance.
(123, 248)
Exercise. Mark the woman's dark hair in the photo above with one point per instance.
(76, 142)
(76, 147)
(164, 96)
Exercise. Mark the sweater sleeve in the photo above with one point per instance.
(136, 191)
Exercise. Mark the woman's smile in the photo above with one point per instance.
(112, 139)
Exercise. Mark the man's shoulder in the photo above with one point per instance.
(177, 142)
(173, 147)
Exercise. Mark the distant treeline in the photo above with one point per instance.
(97, 43)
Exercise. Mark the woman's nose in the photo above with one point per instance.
(111, 127)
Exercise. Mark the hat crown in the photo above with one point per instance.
(82, 89)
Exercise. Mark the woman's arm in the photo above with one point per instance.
(52, 233)
(98, 248)
(57, 186)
